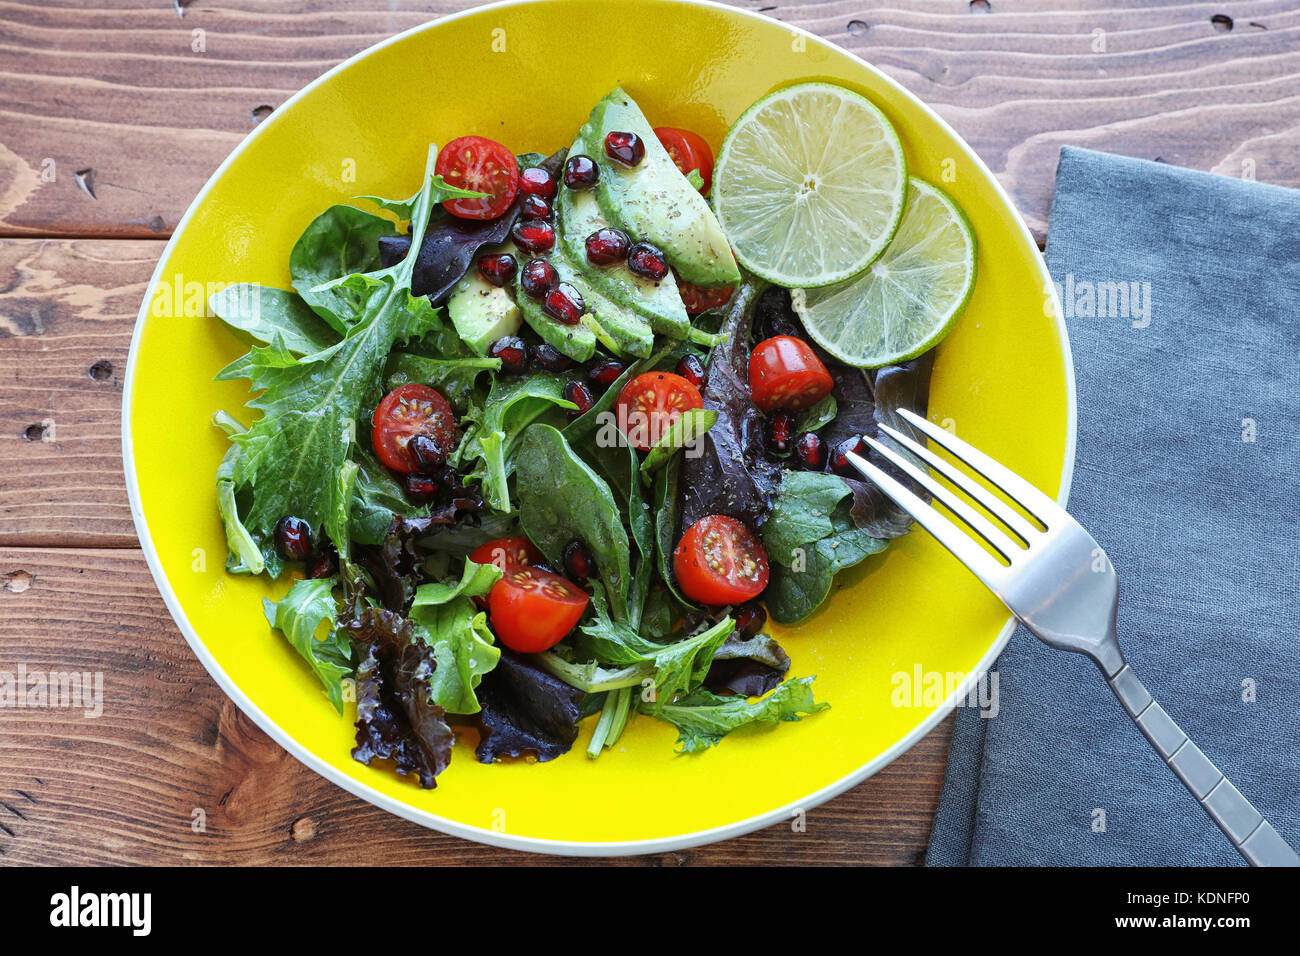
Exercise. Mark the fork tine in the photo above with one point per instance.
(1022, 492)
(962, 546)
(974, 520)
(990, 502)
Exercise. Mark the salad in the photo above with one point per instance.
(555, 437)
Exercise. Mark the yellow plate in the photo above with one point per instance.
(527, 74)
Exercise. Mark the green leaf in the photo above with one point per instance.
(818, 416)
(447, 621)
(512, 405)
(695, 179)
(589, 677)
(245, 554)
(376, 498)
(440, 189)
(341, 241)
(679, 667)
(561, 498)
(667, 505)
(260, 313)
(299, 615)
(690, 428)
(810, 537)
(702, 719)
(456, 378)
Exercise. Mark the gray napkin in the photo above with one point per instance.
(1182, 296)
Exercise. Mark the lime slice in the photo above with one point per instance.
(909, 298)
(809, 185)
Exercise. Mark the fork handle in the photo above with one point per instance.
(1252, 835)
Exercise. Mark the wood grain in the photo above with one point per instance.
(67, 308)
(124, 787)
(119, 90)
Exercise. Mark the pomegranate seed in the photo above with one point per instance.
(533, 235)
(811, 451)
(323, 565)
(605, 374)
(647, 261)
(535, 207)
(421, 488)
(564, 304)
(578, 393)
(547, 356)
(749, 619)
(692, 369)
(780, 431)
(293, 538)
(429, 455)
(497, 270)
(581, 172)
(539, 278)
(513, 354)
(839, 462)
(535, 181)
(625, 148)
(607, 246)
(579, 565)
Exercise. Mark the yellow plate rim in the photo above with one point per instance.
(538, 844)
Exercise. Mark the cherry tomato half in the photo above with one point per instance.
(689, 151)
(404, 413)
(531, 610)
(720, 561)
(504, 553)
(699, 300)
(651, 403)
(484, 166)
(784, 372)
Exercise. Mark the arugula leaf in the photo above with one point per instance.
(245, 553)
(340, 241)
(702, 719)
(299, 615)
(456, 378)
(810, 537)
(292, 456)
(512, 405)
(440, 189)
(614, 713)
(260, 313)
(463, 647)
(561, 498)
(679, 667)
(589, 677)
(689, 429)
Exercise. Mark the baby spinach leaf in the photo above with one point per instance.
(702, 719)
(299, 615)
(809, 538)
(561, 498)
(818, 416)
(260, 313)
(686, 432)
(376, 499)
(512, 405)
(340, 241)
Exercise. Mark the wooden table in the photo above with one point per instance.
(110, 122)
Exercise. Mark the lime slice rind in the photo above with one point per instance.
(906, 301)
(810, 185)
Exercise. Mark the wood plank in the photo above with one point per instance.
(123, 788)
(120, 91)
(67, 308)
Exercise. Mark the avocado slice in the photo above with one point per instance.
(619, 330)
(653, 202)
(578, 215)
(481, 311)
(578, 342)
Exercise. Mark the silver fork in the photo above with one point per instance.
(1061, 586)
